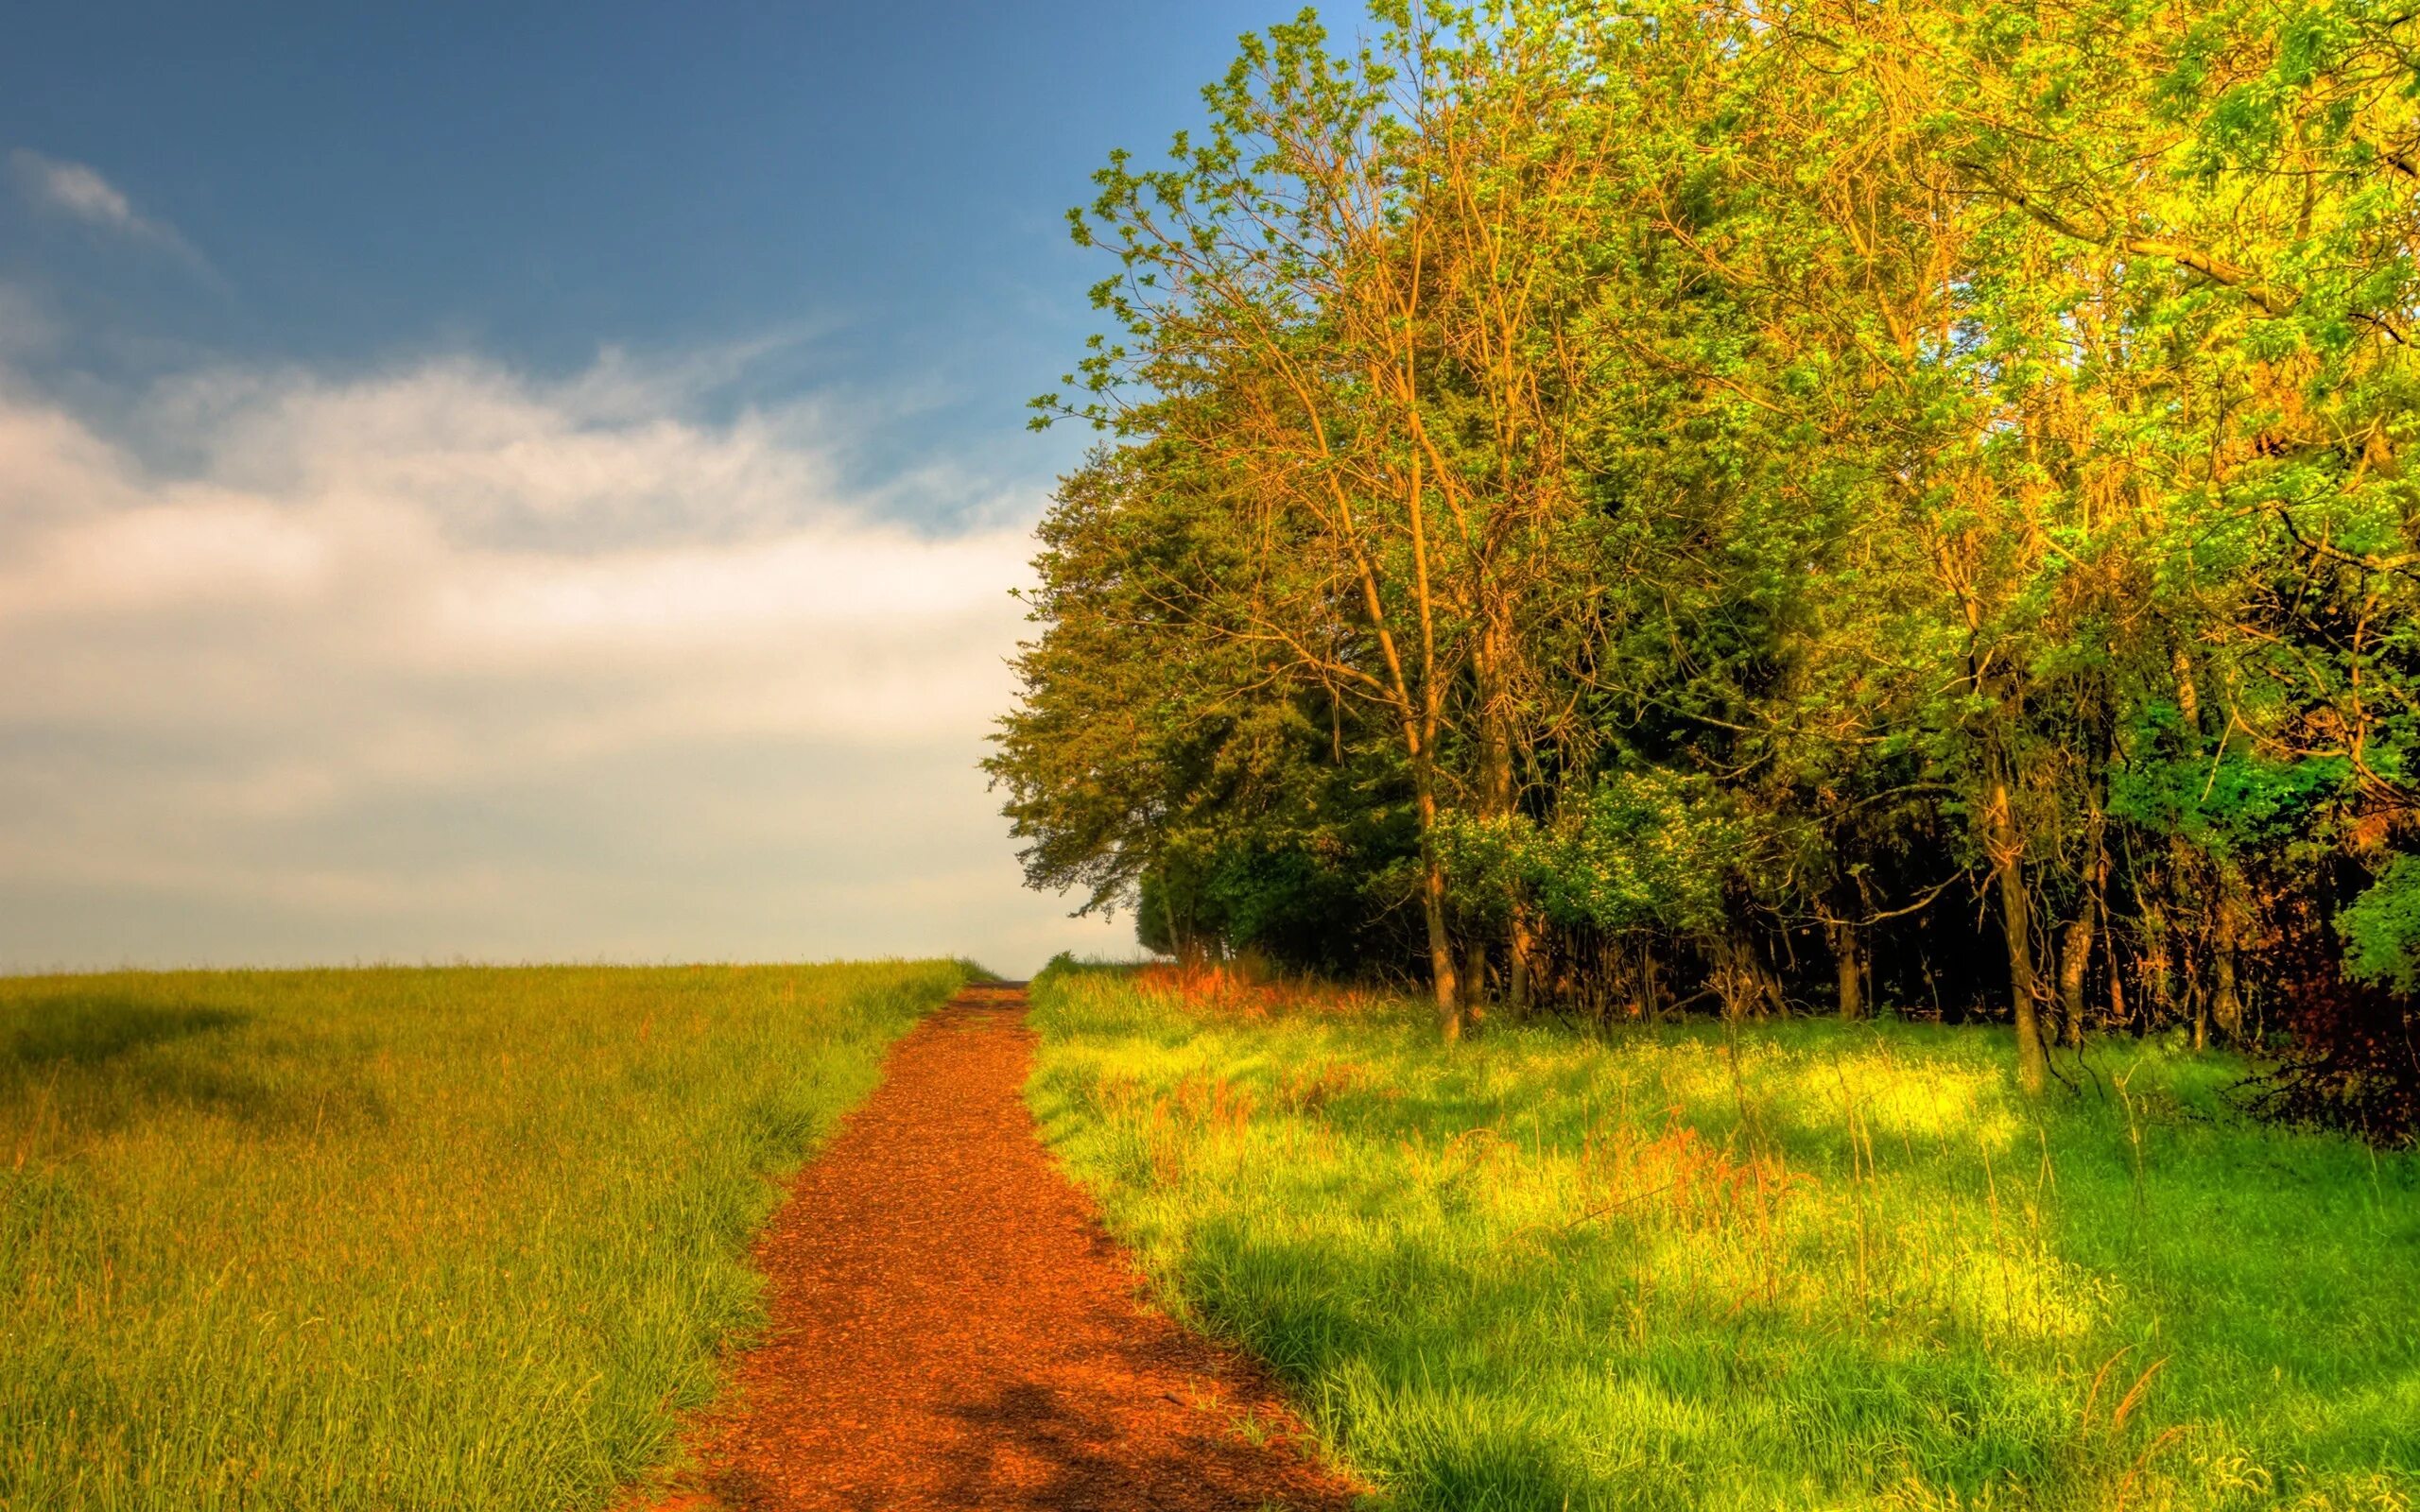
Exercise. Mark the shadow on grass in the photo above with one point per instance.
(106, 1061)
(88, 1028)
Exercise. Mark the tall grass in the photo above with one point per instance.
(1808, 1265)
(387, 1239)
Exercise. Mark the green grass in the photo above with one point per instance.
(1815, 1265)
(387, 1239)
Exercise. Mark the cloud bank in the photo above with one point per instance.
(455, 662)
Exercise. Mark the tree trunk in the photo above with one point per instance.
(2223, 988)
(1432, 904)
(1440, 947)
(2119, 1013)
(1849, 965)
(1768, 981)
(2188, 697)
(1734, 981)
(2075, 958)
(2075, 955)
(1516, 967)
(2017, 921)
(2156, 957)
(1495, 799)
(2227, 1007)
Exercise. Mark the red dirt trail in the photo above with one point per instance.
(951, 1328)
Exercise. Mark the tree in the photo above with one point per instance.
(1678, 497)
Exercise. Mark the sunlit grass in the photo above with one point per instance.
(1808, 1265)
(383, 1239)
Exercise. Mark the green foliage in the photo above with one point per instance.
(1647, 850)
(2381, 928)
(2239, 802)
(1828, 1267)
(380, 1239)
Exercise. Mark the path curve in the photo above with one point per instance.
(951, 1328)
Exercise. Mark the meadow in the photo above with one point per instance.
(1804, 1264)
(383, 1239)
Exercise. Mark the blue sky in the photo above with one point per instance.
(534, 182)
(509, 482)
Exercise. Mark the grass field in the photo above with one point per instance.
(385, 1239)
(1816, 1266)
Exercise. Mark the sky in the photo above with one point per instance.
(502, 483)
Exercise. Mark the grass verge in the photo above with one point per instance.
(380, 1239)
(1810, 1265)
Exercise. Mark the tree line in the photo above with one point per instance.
(1613, 509)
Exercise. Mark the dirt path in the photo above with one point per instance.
(952, 1329)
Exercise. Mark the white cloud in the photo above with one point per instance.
(454, 662)
(79, 191)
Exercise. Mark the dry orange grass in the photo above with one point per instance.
(1245, 991)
